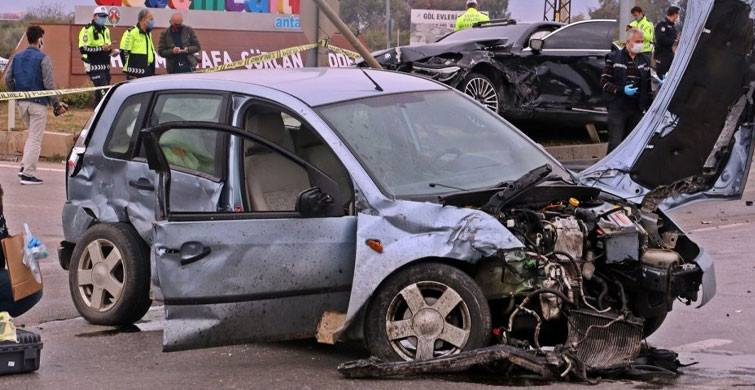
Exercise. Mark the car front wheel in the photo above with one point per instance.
(425, 311)
(482, 89)
(109, 275)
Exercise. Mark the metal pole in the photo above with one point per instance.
(387, 24)
(344, 29)
(624, 7)
(11, 114)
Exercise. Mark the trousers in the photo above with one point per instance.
(23, 305)
(34, 116)
(621, 122)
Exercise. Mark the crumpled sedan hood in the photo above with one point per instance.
(406, 54)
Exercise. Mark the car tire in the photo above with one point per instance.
(109, 276)
(653, 323)
(482, 89)
(462, 322)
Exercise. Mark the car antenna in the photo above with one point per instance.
(433, 185)
(377, 86)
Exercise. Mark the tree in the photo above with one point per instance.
(11, 31)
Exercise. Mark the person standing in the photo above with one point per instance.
(642, 23)
(626, 87)
(177, 45)
(666, 38)
(31, 70)
(469, 18)
(94, 45)
(137, 49)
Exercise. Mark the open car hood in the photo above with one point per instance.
(696, 140)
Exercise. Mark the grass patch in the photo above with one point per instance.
(72, 122)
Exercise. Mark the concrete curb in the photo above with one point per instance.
(53, 144)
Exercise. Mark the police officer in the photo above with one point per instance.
(469, 18)
(665, 39)
(94, 45)
(626, 87)
(137, 49)
(641, 22)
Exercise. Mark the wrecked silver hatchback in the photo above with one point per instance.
(360, 204)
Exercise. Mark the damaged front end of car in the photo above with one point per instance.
(600, 263)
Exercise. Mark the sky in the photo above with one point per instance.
(520, 9)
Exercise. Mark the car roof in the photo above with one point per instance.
(314, 86)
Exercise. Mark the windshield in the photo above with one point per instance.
(409, 141)
(511, 32)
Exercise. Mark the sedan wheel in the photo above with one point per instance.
(481, 89)
(427, 311)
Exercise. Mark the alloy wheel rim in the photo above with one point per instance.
(101, 275)
(427, 319)
(483, 91)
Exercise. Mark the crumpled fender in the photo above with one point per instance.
(411, 231)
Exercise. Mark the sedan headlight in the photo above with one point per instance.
(440, 74)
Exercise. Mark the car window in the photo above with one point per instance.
(192, 151)
(592, 35)
(410, 142)
(273, 182)
(187, 107)
(120, 141)
(511, 32)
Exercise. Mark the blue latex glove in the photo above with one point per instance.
(629, 90)
(662, 80)
(34, 242)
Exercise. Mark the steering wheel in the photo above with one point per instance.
(436, 159)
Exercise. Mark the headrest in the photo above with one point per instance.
(267, 125)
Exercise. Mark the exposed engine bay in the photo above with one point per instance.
(595, 270)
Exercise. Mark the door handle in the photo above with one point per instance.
(193, 251)
(142, 184)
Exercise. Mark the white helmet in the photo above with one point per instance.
(100, 11)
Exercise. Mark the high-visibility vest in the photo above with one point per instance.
(648, 30)
(91, 42)
(469, 18)
(139, 52)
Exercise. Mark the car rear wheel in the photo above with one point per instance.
(109, 275)
(425, 311)
(482, 89)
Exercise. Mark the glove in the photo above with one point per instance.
(629, 90)
(662, 80)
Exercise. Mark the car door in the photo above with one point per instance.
(570, 63)
(171, 106)
(265, 272)
(696, 140)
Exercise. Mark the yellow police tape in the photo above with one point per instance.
(231, 65)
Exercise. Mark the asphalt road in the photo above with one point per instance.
(719, 336)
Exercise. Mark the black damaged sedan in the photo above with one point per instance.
(542, 71)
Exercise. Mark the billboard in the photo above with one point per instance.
(429, 25)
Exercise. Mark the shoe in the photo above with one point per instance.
(30, 180)
(21, 172)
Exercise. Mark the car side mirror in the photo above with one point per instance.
(536, 44)
(315, 203)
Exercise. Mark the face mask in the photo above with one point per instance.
(100, 20)
(150, 25)
(637, 48)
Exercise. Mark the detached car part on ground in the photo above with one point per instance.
(396, 210)
(543, 71)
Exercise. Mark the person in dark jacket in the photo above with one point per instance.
(14, 308)
(177, 45)
(626, 87)
(31, 70)
(666, 38)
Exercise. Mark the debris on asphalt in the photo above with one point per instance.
(748, 203)
(705, 222)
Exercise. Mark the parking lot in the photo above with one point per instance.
(718, 337)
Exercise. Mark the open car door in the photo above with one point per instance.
(263, 272)
(696, 140)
